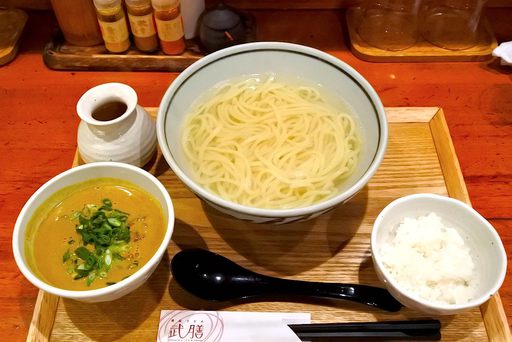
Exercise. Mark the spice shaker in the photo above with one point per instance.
(142, 24)
(169, 26)
(113, 25)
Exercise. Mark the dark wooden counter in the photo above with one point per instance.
(39, 122)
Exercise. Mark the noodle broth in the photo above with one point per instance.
(53, 234)
(271, 142)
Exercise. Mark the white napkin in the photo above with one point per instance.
(504, 50)
(228, 326)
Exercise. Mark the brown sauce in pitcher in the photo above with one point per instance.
(109, 111)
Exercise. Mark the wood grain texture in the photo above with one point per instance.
(60, 55)
(43, 318)
(411, 114)
(494, 319)
(332, 248)
(38, 126)
(448, 159)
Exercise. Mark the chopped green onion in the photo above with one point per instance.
(90, 278)
(66, 256)
(106, 230)
(83, 253)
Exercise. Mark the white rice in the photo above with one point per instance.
(430, 260)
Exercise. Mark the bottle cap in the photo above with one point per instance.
(221, 18)
(164, 4)
(104, 4)
(137, 2)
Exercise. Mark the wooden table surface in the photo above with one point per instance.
(38, 125)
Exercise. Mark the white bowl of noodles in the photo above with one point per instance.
(272, 132)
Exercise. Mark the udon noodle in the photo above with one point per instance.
(265, 143)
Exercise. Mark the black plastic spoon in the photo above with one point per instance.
(213, 277)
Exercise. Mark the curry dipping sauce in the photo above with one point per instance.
(122, 224)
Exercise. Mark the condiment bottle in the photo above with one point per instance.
(113, 25)
(169, 26)
(142, 24)
(77, 20)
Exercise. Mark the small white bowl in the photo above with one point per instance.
(290, 60)
(126, 172)
(484, 242)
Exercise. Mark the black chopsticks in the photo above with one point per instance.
(426, 330)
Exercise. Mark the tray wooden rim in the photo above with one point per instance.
(493, 313)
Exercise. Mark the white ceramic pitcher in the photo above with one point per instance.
(128, 137)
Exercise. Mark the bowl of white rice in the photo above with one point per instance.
(436, 254)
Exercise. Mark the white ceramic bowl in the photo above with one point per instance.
(483, 240)
(286, 59)
(126, 172)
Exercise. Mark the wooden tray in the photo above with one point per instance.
(60, 55)
(422, 51)
(334, 248)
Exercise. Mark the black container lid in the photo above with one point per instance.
(221, 18)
